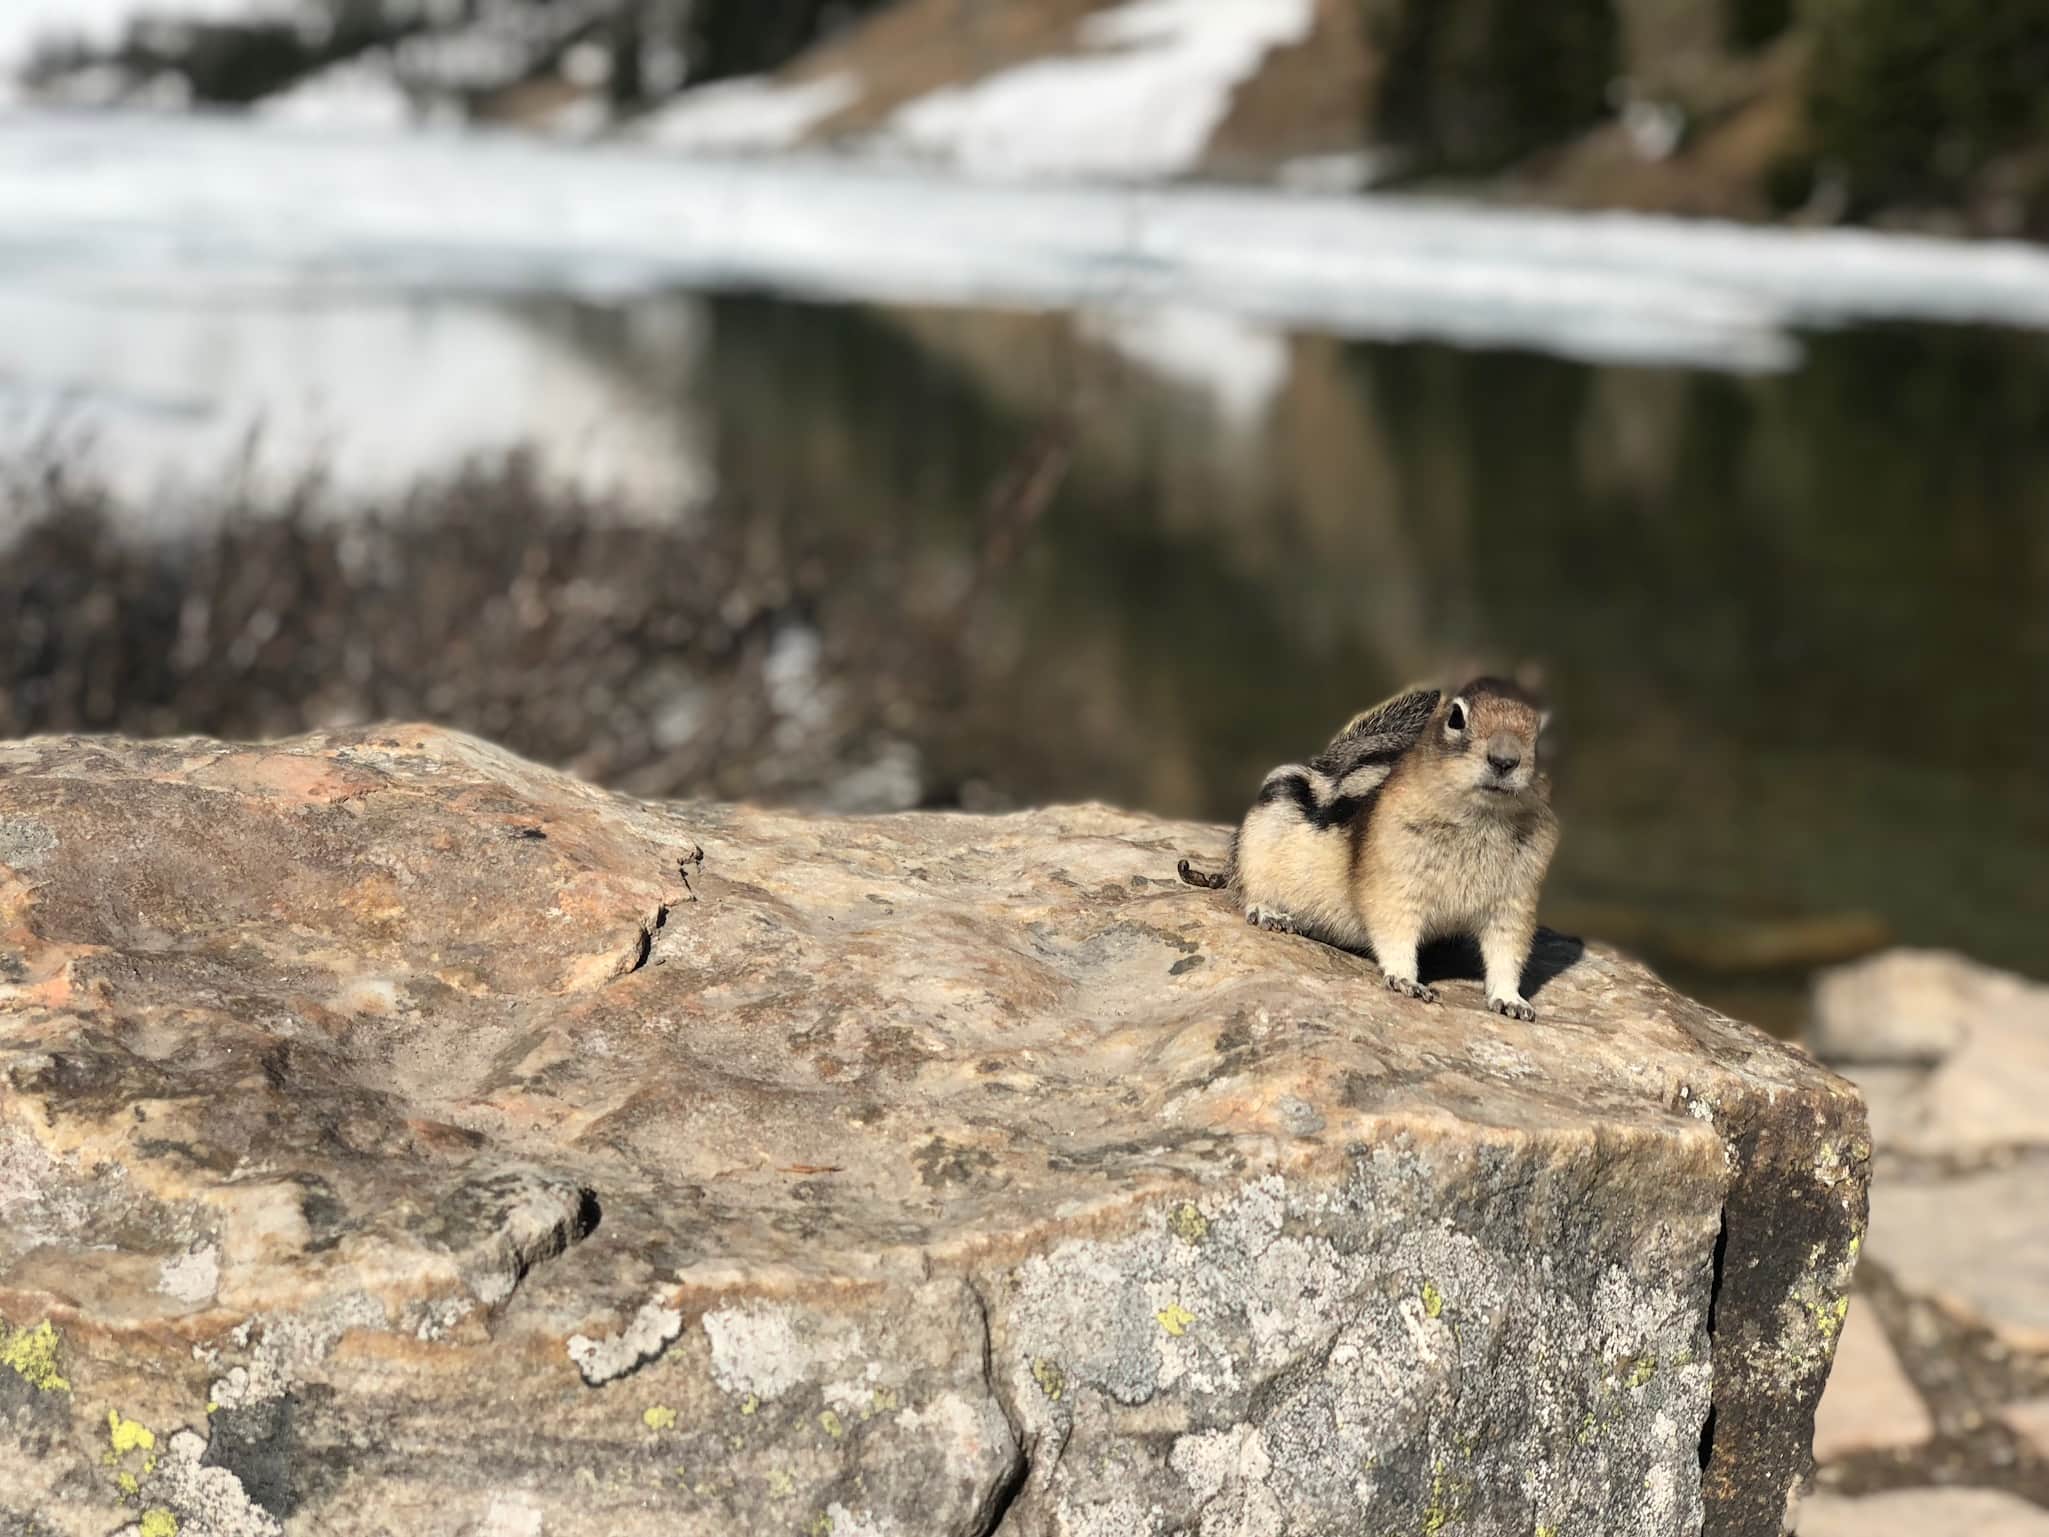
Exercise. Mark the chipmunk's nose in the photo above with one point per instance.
(1504, 755)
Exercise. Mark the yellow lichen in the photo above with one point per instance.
(1546, 1531)
(158, 1522)
(658, 1417)
(1448, 1494)
(780, 1485)
(1175, 1319)
(1433, 1300)
(1645, 1369)
(1188, 1223)
(128, 1484)
(821, 1524)
(32, 1356)
(129, 1435)
(1051, 1379)
(749, 1404)
(830, 1424)
(883, 1401)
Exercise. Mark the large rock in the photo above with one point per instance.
(1953, 1058)
(1924, 1513)
(396, 1137)
(1902, 1006)
(1978, 1243)
(1953, 1055)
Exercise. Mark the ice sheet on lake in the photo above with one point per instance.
(153, 207)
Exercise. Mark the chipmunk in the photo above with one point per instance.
(1421, 819)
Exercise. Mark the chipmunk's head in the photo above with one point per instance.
(1488, 735)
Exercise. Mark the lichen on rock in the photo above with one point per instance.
(31, 1354)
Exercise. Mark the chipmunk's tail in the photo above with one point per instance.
(1195, 877)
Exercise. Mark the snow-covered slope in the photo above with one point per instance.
(1153, 80)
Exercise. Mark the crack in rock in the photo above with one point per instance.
(643, 942)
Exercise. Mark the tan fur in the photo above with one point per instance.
(1451, 845)
(1288, 870)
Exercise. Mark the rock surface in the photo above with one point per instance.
(2029, 1420)
(1977, 1241)
(1902, 1006)
(1954, 1059)
(1934, 1410)
(1924, 1513)
(399, 1137)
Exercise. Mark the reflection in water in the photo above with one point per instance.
(379, 390)
(1795, 625)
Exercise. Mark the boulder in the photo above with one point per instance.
(1977, 1243)
(1953, 1056)
(1903, 1006)
(1924, 1513)
(398, 1137)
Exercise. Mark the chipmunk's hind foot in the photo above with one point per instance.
(1272, 919)
(1409, 987)
(1195, 877)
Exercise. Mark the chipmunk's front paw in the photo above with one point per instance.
(1271, 919)
(1514, 1008)
(1409, 987)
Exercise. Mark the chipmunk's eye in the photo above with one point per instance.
(1456, 719)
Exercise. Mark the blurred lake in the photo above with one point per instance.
(1794, 618)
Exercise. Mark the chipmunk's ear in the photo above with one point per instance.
(1543, 720)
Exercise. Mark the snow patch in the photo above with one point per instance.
(1336, 174)
(1143, 102)
(358, 93)
(751, 114)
